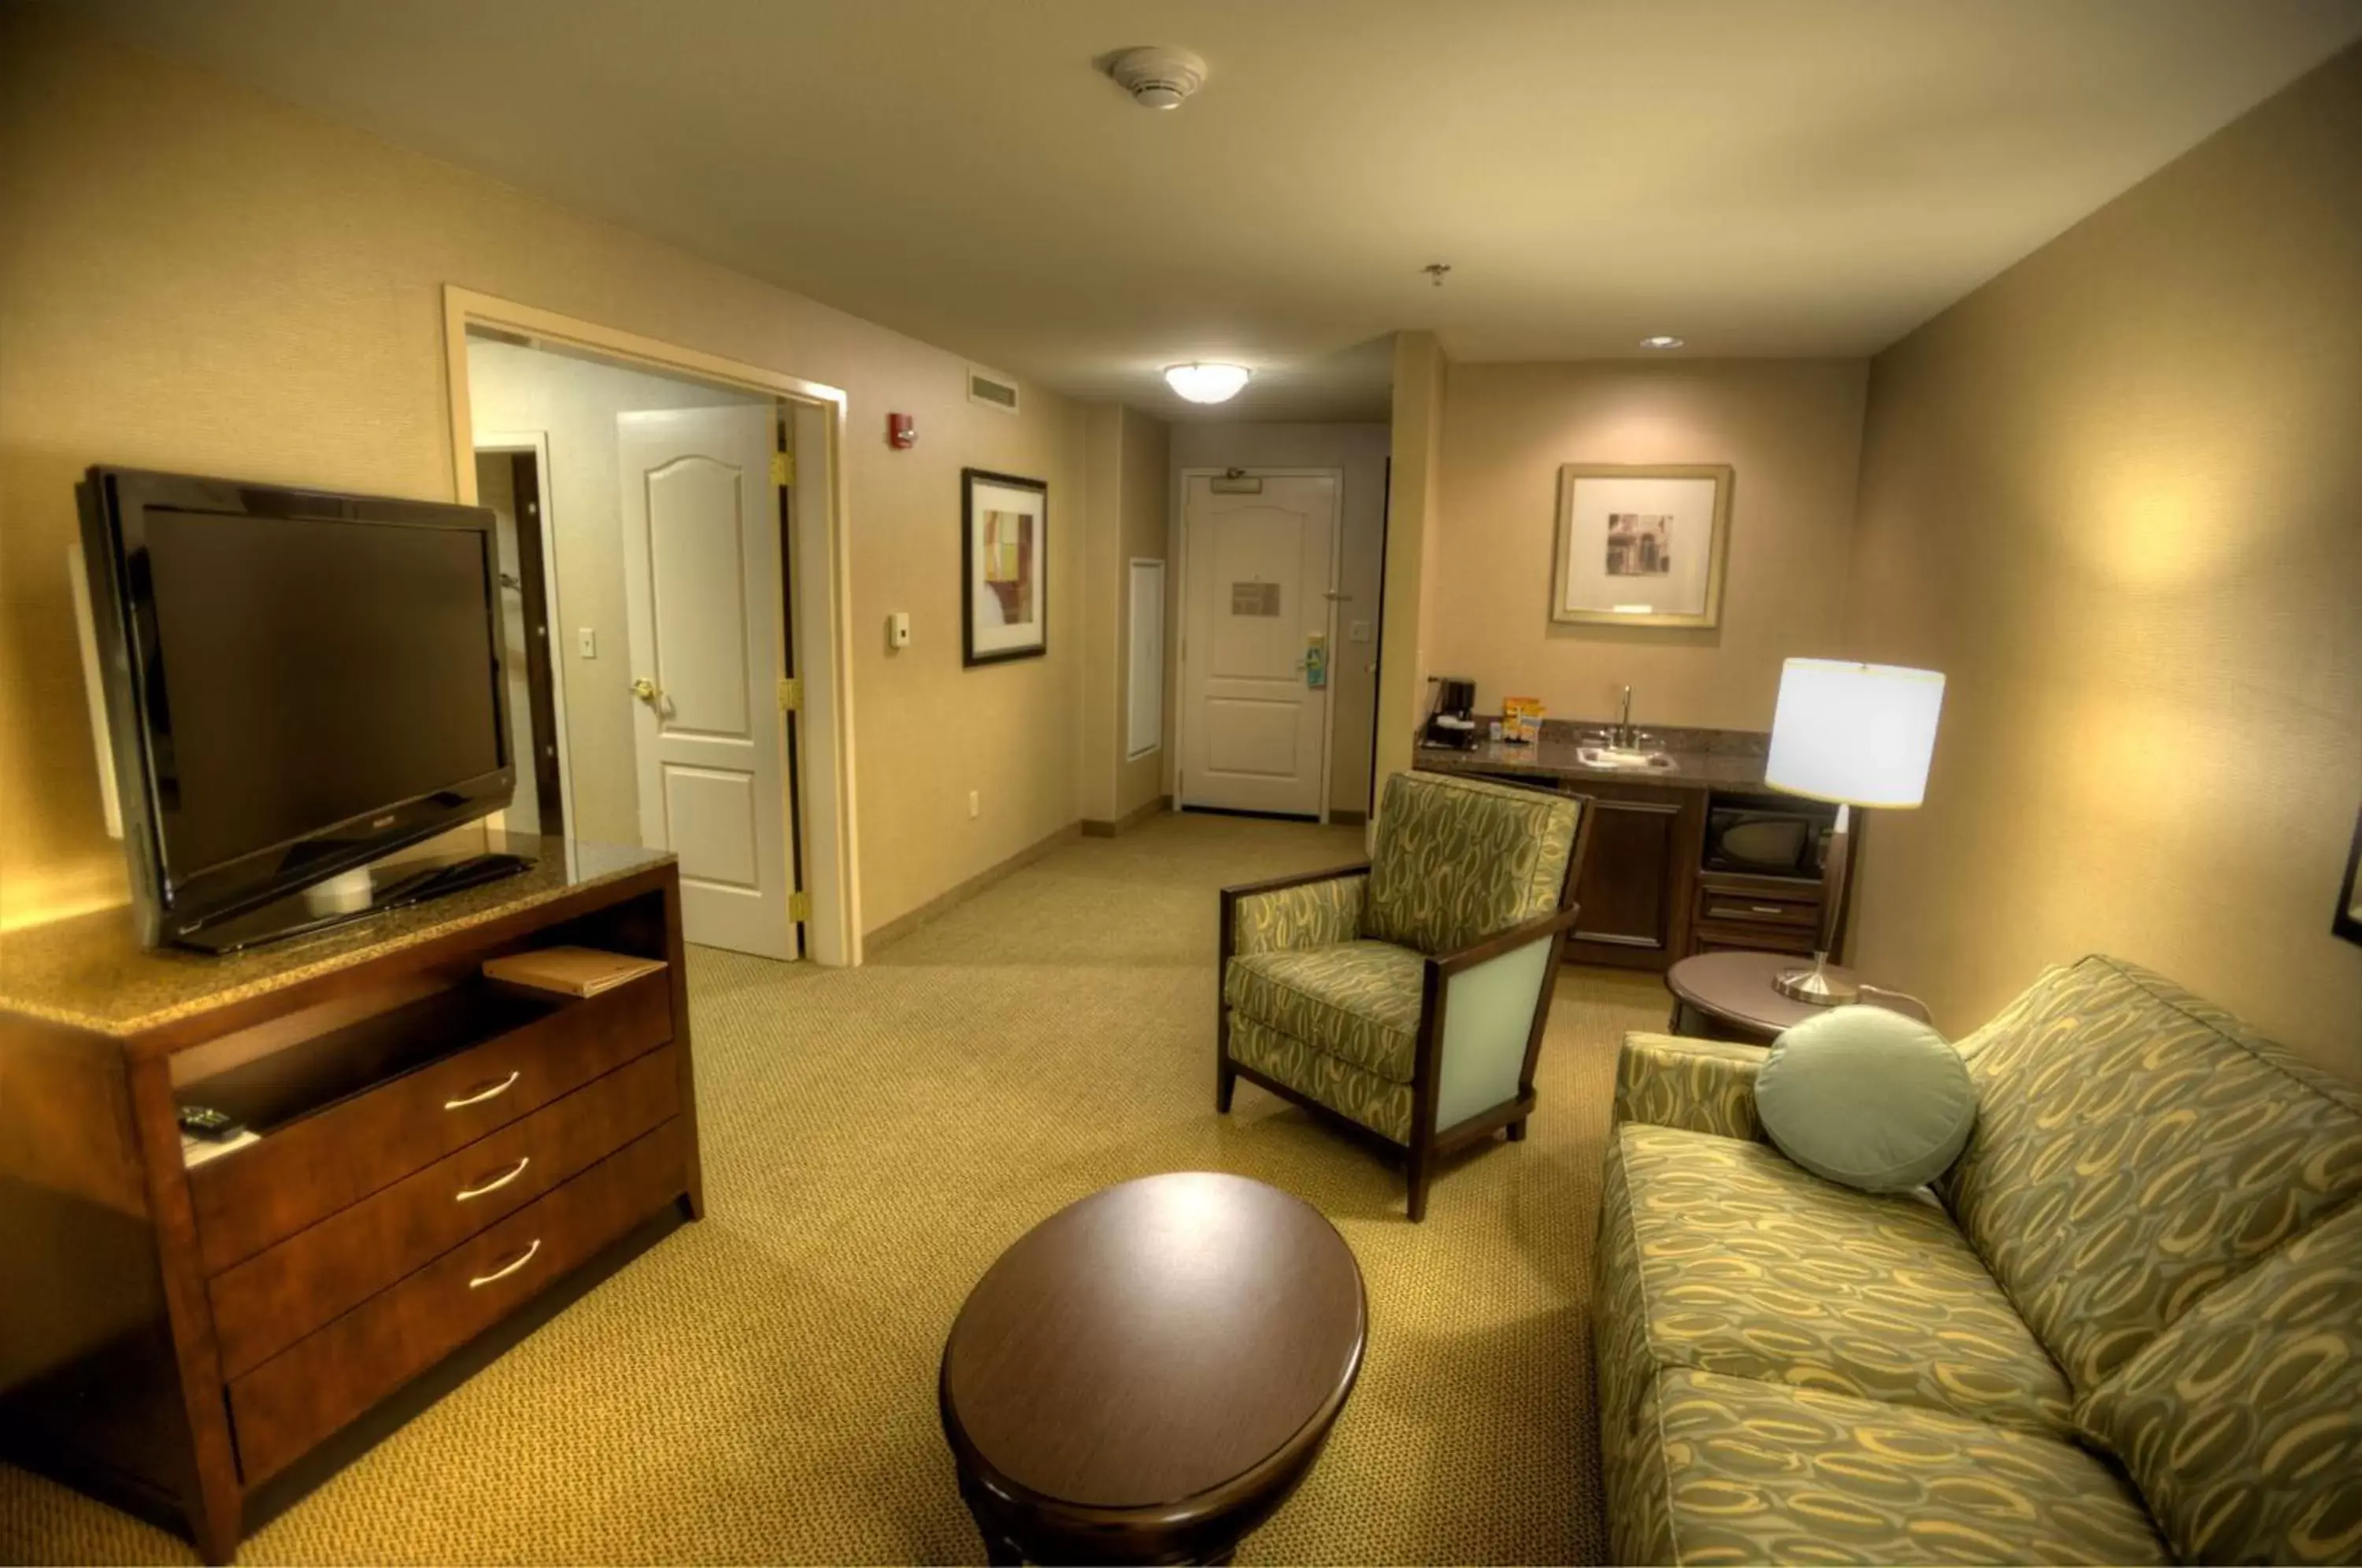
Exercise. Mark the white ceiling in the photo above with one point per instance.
(1762, 177)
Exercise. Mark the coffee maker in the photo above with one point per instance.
(1453, 721)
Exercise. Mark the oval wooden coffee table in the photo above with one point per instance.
(1145, 1375)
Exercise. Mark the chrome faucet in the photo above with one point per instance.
(1621, 736)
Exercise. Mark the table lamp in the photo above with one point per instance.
(1856, 735)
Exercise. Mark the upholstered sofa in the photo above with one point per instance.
(2124, 1327)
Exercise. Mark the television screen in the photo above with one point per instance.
(311, 673)
(295, 683)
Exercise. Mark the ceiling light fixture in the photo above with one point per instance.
(1207, 383)
(1662, 340)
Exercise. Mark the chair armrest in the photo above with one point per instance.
(1315, 908)
(1702, 1085)
(1541, 928)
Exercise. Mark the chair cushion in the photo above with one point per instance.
(2242, 1423)
(2135, 1148)
(1381, 1106)
(1357, 1001)
(1458, 859)
(1748, 1472)
(1866, 1098)
(1752, 1268)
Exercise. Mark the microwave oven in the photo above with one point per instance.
(1768, 836)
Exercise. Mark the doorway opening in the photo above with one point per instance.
(672, 568)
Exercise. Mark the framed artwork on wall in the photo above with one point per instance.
(1640, 545)
(2348, 922)
(1004, 561)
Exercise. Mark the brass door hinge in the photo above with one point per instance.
(783, 469)
(800, 906)
(791, 695)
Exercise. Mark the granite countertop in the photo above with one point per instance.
(90, 971)
(1702, 759)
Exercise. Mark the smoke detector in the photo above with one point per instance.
(1157, 77)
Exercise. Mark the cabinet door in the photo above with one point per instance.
(1637, 878)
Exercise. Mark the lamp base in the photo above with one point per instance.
(1815, 987)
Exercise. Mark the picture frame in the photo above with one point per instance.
(2348, 922)
(1640, 544)
(1004, 568)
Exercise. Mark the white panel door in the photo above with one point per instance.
(704, 594)
(1255, 637)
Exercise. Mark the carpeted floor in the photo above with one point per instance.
(760, 1387)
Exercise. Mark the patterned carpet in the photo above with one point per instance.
(760, 1387)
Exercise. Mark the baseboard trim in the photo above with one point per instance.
(1094, 828)
(1348, 819)
(904, 925)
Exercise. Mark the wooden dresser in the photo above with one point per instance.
(441, 1163)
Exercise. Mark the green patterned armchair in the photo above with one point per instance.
(1404, 999)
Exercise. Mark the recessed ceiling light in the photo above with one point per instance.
(1662, 340)
(1207, 384)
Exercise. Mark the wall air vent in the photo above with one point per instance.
(991, 390)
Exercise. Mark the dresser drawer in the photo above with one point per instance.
(1754, 908)
(1764, 938)
(293, 1400)
(285, 1292)
(309, 1169)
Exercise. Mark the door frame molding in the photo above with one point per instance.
(821, 619)
(506, 442)
(1181, 633)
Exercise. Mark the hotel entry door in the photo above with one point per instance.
(1259, 570)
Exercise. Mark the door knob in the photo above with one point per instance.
(645, 689)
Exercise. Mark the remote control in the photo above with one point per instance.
(206, 1122)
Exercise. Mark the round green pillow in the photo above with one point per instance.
(1868, 1097)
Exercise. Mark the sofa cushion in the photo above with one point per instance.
(1378, 1104)
(2135, 1148)
(1751, 1471)
(2242, 1423)
(1357, 1001)
(1458, 859)
(1752, 1268)
(1868, 1097)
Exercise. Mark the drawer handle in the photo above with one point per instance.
(483, 1095)
(1767, 909)
(498, 1182)
(507, 1269)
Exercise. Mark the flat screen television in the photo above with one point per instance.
(295, 684)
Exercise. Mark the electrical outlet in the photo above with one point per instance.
(974, 805)
(586, 639)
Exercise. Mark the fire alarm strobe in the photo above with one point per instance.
(901, 431)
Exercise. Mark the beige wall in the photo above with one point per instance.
(1416, 431)
(1144, 504)
(1125, 516)
(1358, 452)
(517, 390)
(1790, 429)
(195, 278)
(2115, 495)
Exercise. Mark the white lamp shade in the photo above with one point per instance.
(1207, 383)
(1859, 734)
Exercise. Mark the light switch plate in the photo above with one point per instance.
(586, 639)
(1359, 632)
(897, 629)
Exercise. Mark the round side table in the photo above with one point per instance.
(1147, 1375)
(1730, 996)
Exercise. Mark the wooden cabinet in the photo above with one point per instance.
(435, 1153)
(1634, 894)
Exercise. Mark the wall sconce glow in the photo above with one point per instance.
(1662, 340)
(1207, 384)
